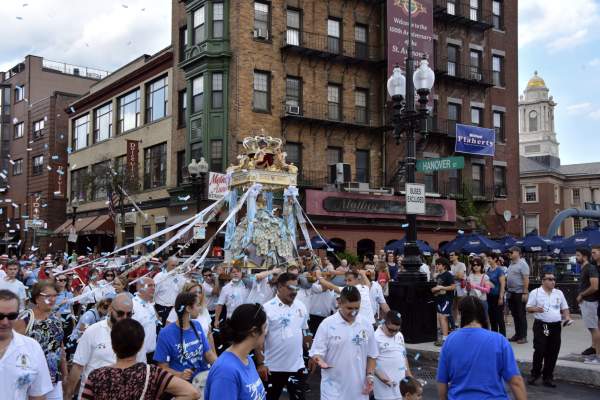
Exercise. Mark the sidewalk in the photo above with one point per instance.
(569, 368)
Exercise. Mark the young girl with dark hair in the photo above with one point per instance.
(182, 347)
(234, 375)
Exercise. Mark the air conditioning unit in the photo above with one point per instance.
(75, 71)
(476, 76)
(361, 187)
(339, 173)
(295, 110)
(261, 34)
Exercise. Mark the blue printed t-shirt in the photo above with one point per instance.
(191, 356)
(475, 362)
(230, 379)
(494, 276)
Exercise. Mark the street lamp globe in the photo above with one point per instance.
(424, 77)
(202, 166)
(396, 84)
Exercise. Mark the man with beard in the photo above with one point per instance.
(94, 349)
(283, 365)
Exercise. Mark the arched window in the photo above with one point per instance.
(365, 246)
(533, 121)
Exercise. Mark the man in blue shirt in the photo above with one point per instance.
(475, 362)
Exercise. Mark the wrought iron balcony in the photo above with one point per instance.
(461, 12)
(452, 189)
(312, 178)
(331, 48)
(467, 74)
(333, 114)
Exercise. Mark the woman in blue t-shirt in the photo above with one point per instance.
(234, 376)
(182, 348)
(495, 297)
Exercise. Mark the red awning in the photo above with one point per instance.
(64, 228)
(103, 225)
(80, 224)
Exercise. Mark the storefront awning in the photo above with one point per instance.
(102, 225)
(80, 224)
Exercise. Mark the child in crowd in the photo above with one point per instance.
(411, 389)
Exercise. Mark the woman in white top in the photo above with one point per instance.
(478, 283)
(204, 317)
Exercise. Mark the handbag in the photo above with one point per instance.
(146, 382)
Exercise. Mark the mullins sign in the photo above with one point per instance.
(371, 206)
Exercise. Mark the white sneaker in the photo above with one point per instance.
(592, 361)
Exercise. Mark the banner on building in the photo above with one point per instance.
(217, 185)
(397, 32)
(132, 157)
(475, 140)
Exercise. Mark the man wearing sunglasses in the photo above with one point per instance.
(549, 306)
(25, 374)
(283, 352)
(392, 364)
(94, 349)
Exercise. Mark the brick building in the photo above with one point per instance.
(33, 148)
(120, 134)
(314, 73)
(547, 186)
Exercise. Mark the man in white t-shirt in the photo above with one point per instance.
(24, 371)
(211, 289)
(283, 349)
(263, 287)
(168, 286)
(345, 349)
(392, 363)
(94, 349)
(232, 295)
(10, 282)
(145, 314)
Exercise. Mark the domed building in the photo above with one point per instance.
(547, 187)
(537, 138)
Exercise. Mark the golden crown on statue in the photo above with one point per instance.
(263, 161)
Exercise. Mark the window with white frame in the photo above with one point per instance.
(19, 130)
(80, 132)
(199, 25)
(198, 94)
(531, 222)
(217, 90)
(530, 193)
(556, 194)
(261, 96)
(293, 28)
(218, 18)
(38, 128)
(103, 123)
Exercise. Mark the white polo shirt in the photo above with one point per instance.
(366, 309)
(168, 287)
(321, 301)
(210, 298)
(24, 370)
(94, 350)
(145, 314)
(391, 361)
(261, 292)
(552, 304)
(233, 295)
(283, 343)
(345, 347)
(377, 297)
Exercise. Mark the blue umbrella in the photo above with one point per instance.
(398, 247)
(556, 244)
(476, 243)
(534, 243)
(587, 238)
(454, 244)
(507, 242)
(318, 243)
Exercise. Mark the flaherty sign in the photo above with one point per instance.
(475, 140)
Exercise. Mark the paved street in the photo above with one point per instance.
(564, 390)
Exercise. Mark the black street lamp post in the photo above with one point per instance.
(198, 171)
(411, 294)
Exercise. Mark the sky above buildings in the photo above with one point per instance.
(560, 39)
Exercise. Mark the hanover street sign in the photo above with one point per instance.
(439, 164)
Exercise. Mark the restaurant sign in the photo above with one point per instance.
(370, 206)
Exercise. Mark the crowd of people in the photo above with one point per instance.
(94, 331)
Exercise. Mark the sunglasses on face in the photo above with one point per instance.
(293, 288)
(11, 316)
